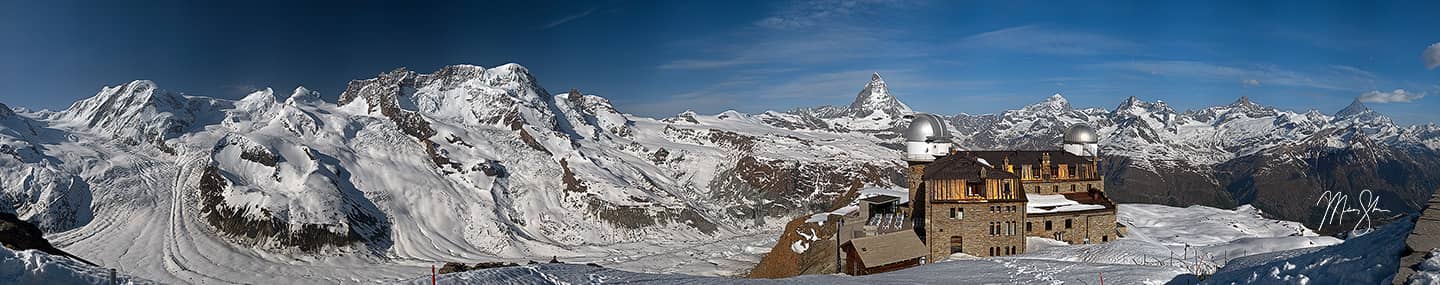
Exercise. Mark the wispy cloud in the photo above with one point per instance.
(1269, 74)
(809, 13)
(1042, 40)
(1250, 82)
(1396, 96)
(1431, 56)
(567, 19)
(801, 33)
(818, 45)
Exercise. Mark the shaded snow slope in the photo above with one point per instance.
(35, 267)
(1368, 259)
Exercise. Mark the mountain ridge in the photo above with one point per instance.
(487, 164)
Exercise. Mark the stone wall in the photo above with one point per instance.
(1097, 226)
(972, 230)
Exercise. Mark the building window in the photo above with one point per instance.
(1072, 188)
(1007, 190)
(1028, 227)
(1047, 225)
(1104, 238)
(1067, 223)
(1055, 189)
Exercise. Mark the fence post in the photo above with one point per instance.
(112, 276)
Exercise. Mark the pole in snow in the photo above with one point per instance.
(1102, 278)
(432, 274)
(112, 276)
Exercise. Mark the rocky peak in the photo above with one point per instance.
(1355, 108)
(382, 95)
(1245, 103)
(5, 111)
(1054, 103)
(1135, 106)
(876, 97)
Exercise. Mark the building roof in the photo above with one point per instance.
(888, 248)
(1043, 204)
(1032, 157)
(962, 166)
(881, 199)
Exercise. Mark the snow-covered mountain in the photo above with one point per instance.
(463, 164)
(475, 164)
(1228, 155)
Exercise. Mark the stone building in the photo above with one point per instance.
(979, 203)
(970, 207)
(984, 203)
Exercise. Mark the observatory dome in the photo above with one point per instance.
(1081, 134)
(927, 128)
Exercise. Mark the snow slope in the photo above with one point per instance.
(465, 164)
(1151, 255)
(35, 267)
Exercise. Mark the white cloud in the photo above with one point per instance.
(1250, 82)
(1397, 96)
(1271, 75)
(809, 13)
(825, 44)
(1431, 56)
(567, 19)
(1036, 39)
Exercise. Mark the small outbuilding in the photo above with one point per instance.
(883, 253)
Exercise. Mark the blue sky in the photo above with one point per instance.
(659, 58)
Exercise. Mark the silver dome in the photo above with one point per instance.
(1081, 133)
(927, 128)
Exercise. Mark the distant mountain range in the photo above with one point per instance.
(470, 161)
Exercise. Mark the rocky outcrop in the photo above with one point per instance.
(18, 234)
(1421, 241)
(240, 223)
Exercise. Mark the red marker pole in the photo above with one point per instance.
(1102, 278)
(432, 274)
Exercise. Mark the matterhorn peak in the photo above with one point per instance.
(876, 97)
